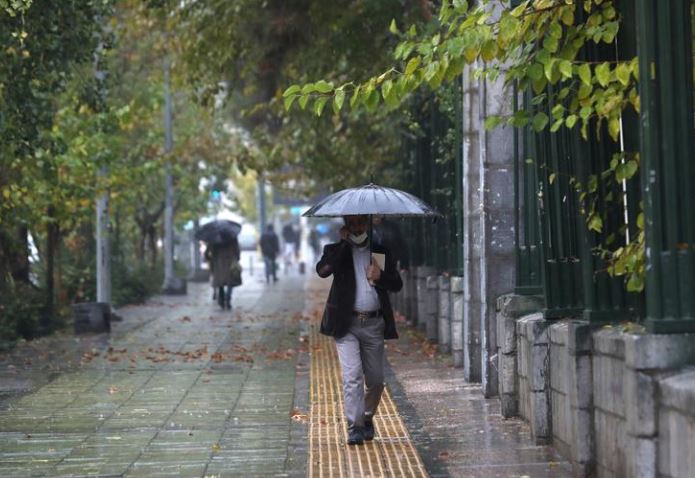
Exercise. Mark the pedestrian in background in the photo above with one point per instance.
(270, 248)
(289, 237)
(226, 271)
(358, 315)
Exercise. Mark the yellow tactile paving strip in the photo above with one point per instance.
(390, 454)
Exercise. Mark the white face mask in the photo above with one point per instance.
(359, 239)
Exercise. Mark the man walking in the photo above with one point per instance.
(270, 247)
(358, 315)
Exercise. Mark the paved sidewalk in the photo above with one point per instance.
(180, 388)
(458, 432)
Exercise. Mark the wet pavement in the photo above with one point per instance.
(181, 388)
(457, 431)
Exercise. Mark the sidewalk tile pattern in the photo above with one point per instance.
(390, 454)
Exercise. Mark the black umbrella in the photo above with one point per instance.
(370, 200)
(219, 231)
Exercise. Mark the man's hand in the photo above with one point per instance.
(373, 273)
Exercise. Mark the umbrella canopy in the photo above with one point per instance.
(219, 231)
(371, 199)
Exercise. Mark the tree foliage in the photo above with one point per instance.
(538, 46)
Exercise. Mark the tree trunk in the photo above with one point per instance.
(52, 234)
(152, 233)
(20, 256)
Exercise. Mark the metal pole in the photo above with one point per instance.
(169, 185)
(103, 245)
(261, 202)
(102, 205)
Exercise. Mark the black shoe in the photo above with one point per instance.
(355, 437)
(368, 430)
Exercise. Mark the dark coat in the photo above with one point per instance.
(337, 260)
(270, 245)
(223, 256)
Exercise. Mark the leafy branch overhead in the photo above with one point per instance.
(536, 44)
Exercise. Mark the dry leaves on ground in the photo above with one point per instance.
(298, 416)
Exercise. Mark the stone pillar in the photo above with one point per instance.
(534, 376)
(444, 315)
(411, 297)
(581, 397)
(400, 298)
(488, 206)
(456, 287)
(431, 306)
(421, 274)
(509, 308)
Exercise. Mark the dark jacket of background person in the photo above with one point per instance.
(222, 258)
(341, 298)
(288, 234)
(270, 244)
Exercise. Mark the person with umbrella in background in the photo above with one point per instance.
(358, 311)
(223, 253)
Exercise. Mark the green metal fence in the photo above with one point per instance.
(668, 159)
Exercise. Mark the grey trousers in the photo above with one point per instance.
(361, 356)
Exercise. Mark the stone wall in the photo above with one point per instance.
(533, 380)
(609, 403)
(676, 446)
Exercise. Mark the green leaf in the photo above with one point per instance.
(393, 28)
(551, 178)
(556, 125)
(550, 44)
(603, 74)
(412, 65)
(489, 50)
(355, 96)
(635, 283)
(557, 111)
(535, 71)
(614, 128)
(320, 104)
(540, 120)
(323, 86)
(291, 90)
(595, 223)
(288, 101)
(338, 100)
(386, 89)
(568, 16)
(491, 122)
(548, 68)
(631, 168)
(565, 68)
(308, 88)
(585, 112)
(584, 72)
(303, 100)
(570, 121)
(622, 72)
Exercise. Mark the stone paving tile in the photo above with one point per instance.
(179, 388)
(457, 431)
